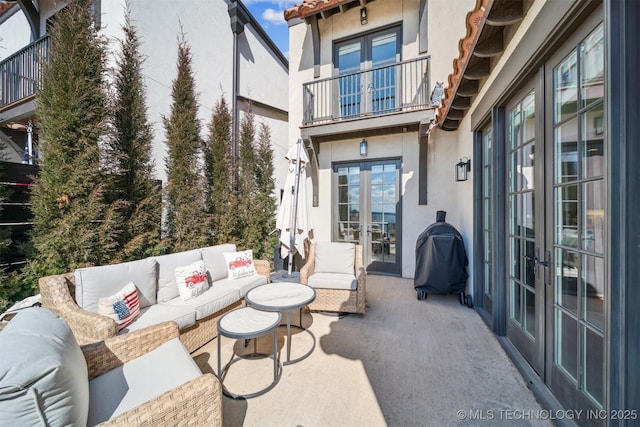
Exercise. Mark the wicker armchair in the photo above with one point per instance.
(197, 402)
(346, 299)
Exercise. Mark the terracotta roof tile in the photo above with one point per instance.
(6, 5)
(311, 7)
(475, 21)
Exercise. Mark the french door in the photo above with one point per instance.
(556, 205)
(374, 91)
(525, 226)
(367, 211)
(577, 239)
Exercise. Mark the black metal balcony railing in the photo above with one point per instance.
(383, 90)
(21, 73)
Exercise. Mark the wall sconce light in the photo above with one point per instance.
(363, 16)
(463, 167)
(363, 148)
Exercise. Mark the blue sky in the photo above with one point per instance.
(270, 14)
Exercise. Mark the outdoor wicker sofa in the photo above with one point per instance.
(74, 296)
(146, 377)
(336, 271)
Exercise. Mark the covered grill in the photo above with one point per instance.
(441, 261)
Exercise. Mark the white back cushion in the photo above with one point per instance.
(335, 257)
(93, 283)
(43, 373)
(214, 261)
(167, 264)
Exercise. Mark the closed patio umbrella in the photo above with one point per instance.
(293, 219)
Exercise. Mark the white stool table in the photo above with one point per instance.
(284, 297)
(248, 323)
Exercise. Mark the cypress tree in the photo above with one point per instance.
(257, 205)
(130, 154)
(186, 219)
(265, 204)
(73, 226)
(248, 232)
(220, 197)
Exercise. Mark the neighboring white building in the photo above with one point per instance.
(357, 78)
(207, 26)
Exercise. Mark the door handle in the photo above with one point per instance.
(547, 264)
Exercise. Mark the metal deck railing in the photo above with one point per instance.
(399, 87)
(21, 73)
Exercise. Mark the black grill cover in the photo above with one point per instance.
(441, 259)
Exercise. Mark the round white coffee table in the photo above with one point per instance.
(248, 323)
(284, 297)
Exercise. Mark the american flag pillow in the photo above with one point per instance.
(123, 307)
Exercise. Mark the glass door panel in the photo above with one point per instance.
(348, 194)
(383, 79)
(579, 196)
(367, 201)
(487, 194)
(350, 57)
(384, 199)
(525, 236)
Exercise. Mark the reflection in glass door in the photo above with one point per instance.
(579, 225)
(367, 211)
(487, 232)
(525, 232)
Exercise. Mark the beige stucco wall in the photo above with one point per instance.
(14, 33)
(445, 27)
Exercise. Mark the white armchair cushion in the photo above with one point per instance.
(43, 373)
(333, 281)
(335, 257)
(140, 380)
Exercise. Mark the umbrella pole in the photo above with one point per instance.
(294, 211)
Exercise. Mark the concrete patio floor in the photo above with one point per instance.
(405, 363)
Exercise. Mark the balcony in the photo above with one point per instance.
(20, 74)
(381, 91)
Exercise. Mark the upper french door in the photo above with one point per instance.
(367, 211)
(375, 91)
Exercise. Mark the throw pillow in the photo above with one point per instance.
(240, 264)
(192, 280)
(123, 306)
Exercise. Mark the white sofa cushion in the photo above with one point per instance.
(335, 257)
(167, 264)
(140, 380)
(243, 284)
(158, 313)
(209, 302)
(43, 373)
(93, 283)
(214, 260)
(333, 281)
